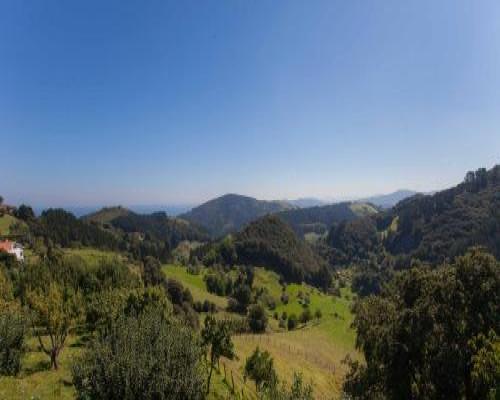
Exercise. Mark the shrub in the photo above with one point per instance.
(292, 322)
(146, 357)
(257, 318)
(306, 316)
(260, 368)
(12, 336)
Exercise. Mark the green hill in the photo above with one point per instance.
(432, 228)
(229, 213)
(271, 242)
(107, 214)
(320, 219)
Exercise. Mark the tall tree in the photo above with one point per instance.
(55, 313)
(216, 335)
(260, 368)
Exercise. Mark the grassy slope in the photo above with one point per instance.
(363, 209)
(195, 284)
(93, 256)
(5, 222)
(315, 350)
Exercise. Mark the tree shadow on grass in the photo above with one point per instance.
(39, 366)
(67, 382)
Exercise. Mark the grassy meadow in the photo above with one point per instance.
(315, 349)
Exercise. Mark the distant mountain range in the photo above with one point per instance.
(306, 202)
(390, 199)
(384, 201)
(387, 200)
(171, 209)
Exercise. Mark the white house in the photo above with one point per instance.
(13, 248)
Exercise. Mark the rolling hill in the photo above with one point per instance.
(229, 213)
(156, 225)
(107, 214)
(320, 219)
(272, 243)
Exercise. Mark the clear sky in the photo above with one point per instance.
(154, 102)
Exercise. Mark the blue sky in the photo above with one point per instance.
(168, 102)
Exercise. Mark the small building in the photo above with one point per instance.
(16, 249)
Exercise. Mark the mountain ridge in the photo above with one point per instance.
(230, 212)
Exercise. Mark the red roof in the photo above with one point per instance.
(6, 245)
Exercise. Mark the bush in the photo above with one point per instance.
(306, 316)
(257, 318)
(318, 314)
(146, 357)
(292, 322)
(260, 368)
(12, 336)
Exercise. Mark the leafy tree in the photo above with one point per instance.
(152, 274)
(260, 368)
(257, 318)
(175, 291)
(424, 336)
(486, 366)
(12, 339)
(242, 293)
(55, 313)
(25, 213)
(216, 335)
(146, 357)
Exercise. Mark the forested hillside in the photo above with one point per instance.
(64, 229)
(146, 234)
(272, 243)
(430, 228)
(229, 213)
(320, 219)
